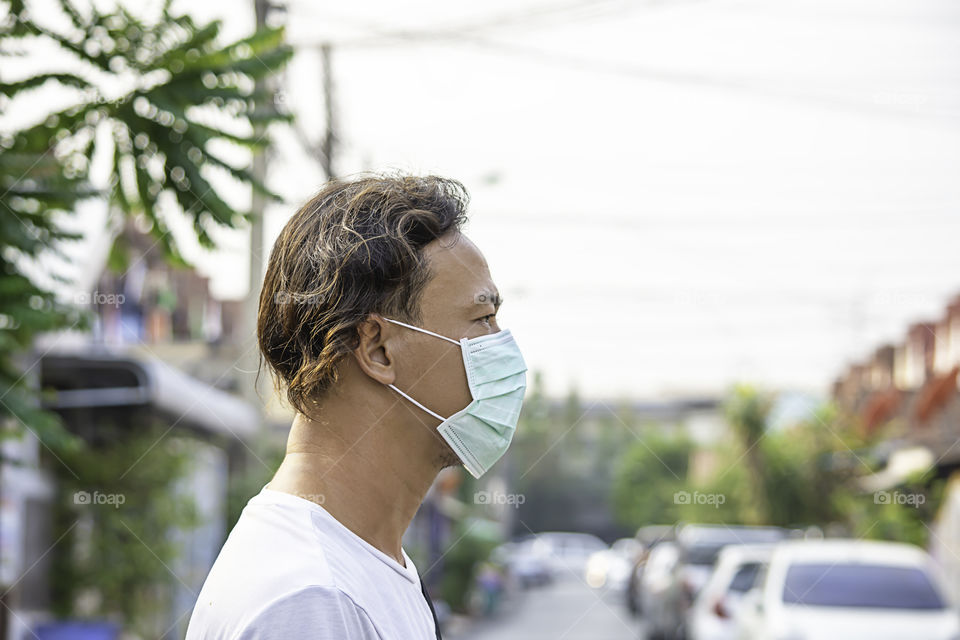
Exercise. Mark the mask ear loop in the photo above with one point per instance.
(429, 333)
(435, 415)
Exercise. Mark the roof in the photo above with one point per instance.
(99, 378)
(850, 551)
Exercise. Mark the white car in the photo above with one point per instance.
(712, 616)
(568, 551)
(700, 545)
(611, 568)
(525, 562)
(849, 589)
(655, 590)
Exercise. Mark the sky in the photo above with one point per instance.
(673, 196)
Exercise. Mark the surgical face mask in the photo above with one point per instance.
(481, 432)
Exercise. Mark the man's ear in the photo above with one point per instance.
(372, 352)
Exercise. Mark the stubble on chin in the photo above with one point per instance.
(446, 457)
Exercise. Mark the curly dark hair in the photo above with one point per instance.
(354, 249)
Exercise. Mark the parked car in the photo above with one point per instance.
(527, 563)
(849, 589)
(698, 547)
(713, 614)
(656, 590)
(647, 537)
(568, 551)
(610, 568)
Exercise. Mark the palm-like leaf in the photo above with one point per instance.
(186, 94)
(164, 128)
(34, 183)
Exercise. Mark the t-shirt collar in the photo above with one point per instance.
(271, 495)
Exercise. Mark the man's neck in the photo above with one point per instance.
(360, 469)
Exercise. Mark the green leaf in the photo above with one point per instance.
(10, 89)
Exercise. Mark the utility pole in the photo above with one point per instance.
(327, 148)
(249, 360)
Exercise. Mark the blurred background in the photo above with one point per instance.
(726, 233)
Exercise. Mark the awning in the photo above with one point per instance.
(101, 379)
(901, 465)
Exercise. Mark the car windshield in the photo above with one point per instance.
(744, 578)
(860, 585)
(702, 554)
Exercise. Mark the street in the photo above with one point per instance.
(565, 610)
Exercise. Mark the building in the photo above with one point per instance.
(906, 399)
(909, 392)
(162, 354)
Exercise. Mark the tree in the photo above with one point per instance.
(34, 186)
(175, 105)
(747, 412)
(173, 111)
(117, 524)
(648, 477)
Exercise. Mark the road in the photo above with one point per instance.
(566, 610)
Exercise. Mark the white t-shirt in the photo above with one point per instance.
(289, 570)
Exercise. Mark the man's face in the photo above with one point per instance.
(459, 301)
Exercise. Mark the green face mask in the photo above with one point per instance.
(481, 432)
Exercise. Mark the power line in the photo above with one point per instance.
(711, 81)
(560, 13)
(471, 34)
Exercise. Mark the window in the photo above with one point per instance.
(860, 585)
(745, 577)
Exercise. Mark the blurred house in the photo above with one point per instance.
(162, 351)
(909, 392)
(907, 398)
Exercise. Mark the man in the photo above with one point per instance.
(379, 317)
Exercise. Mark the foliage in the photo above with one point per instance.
(812, 475)
(899, 513)
(173, 111)
(560, 461)
(119, 507)
(183, 95)
(35, 185)
(264, 459)
(461, 561)
(648, 477)
(747, 412)
(170, 98)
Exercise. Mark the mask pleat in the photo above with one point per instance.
(499, 387)
(498, 362)
(501, 415)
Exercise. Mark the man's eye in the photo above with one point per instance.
(488, 318)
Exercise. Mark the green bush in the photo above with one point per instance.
(120, 502)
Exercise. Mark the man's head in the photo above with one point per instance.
(361, 251)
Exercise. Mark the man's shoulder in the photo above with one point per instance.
(272, 555)
(322, 612)
(276, 543)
